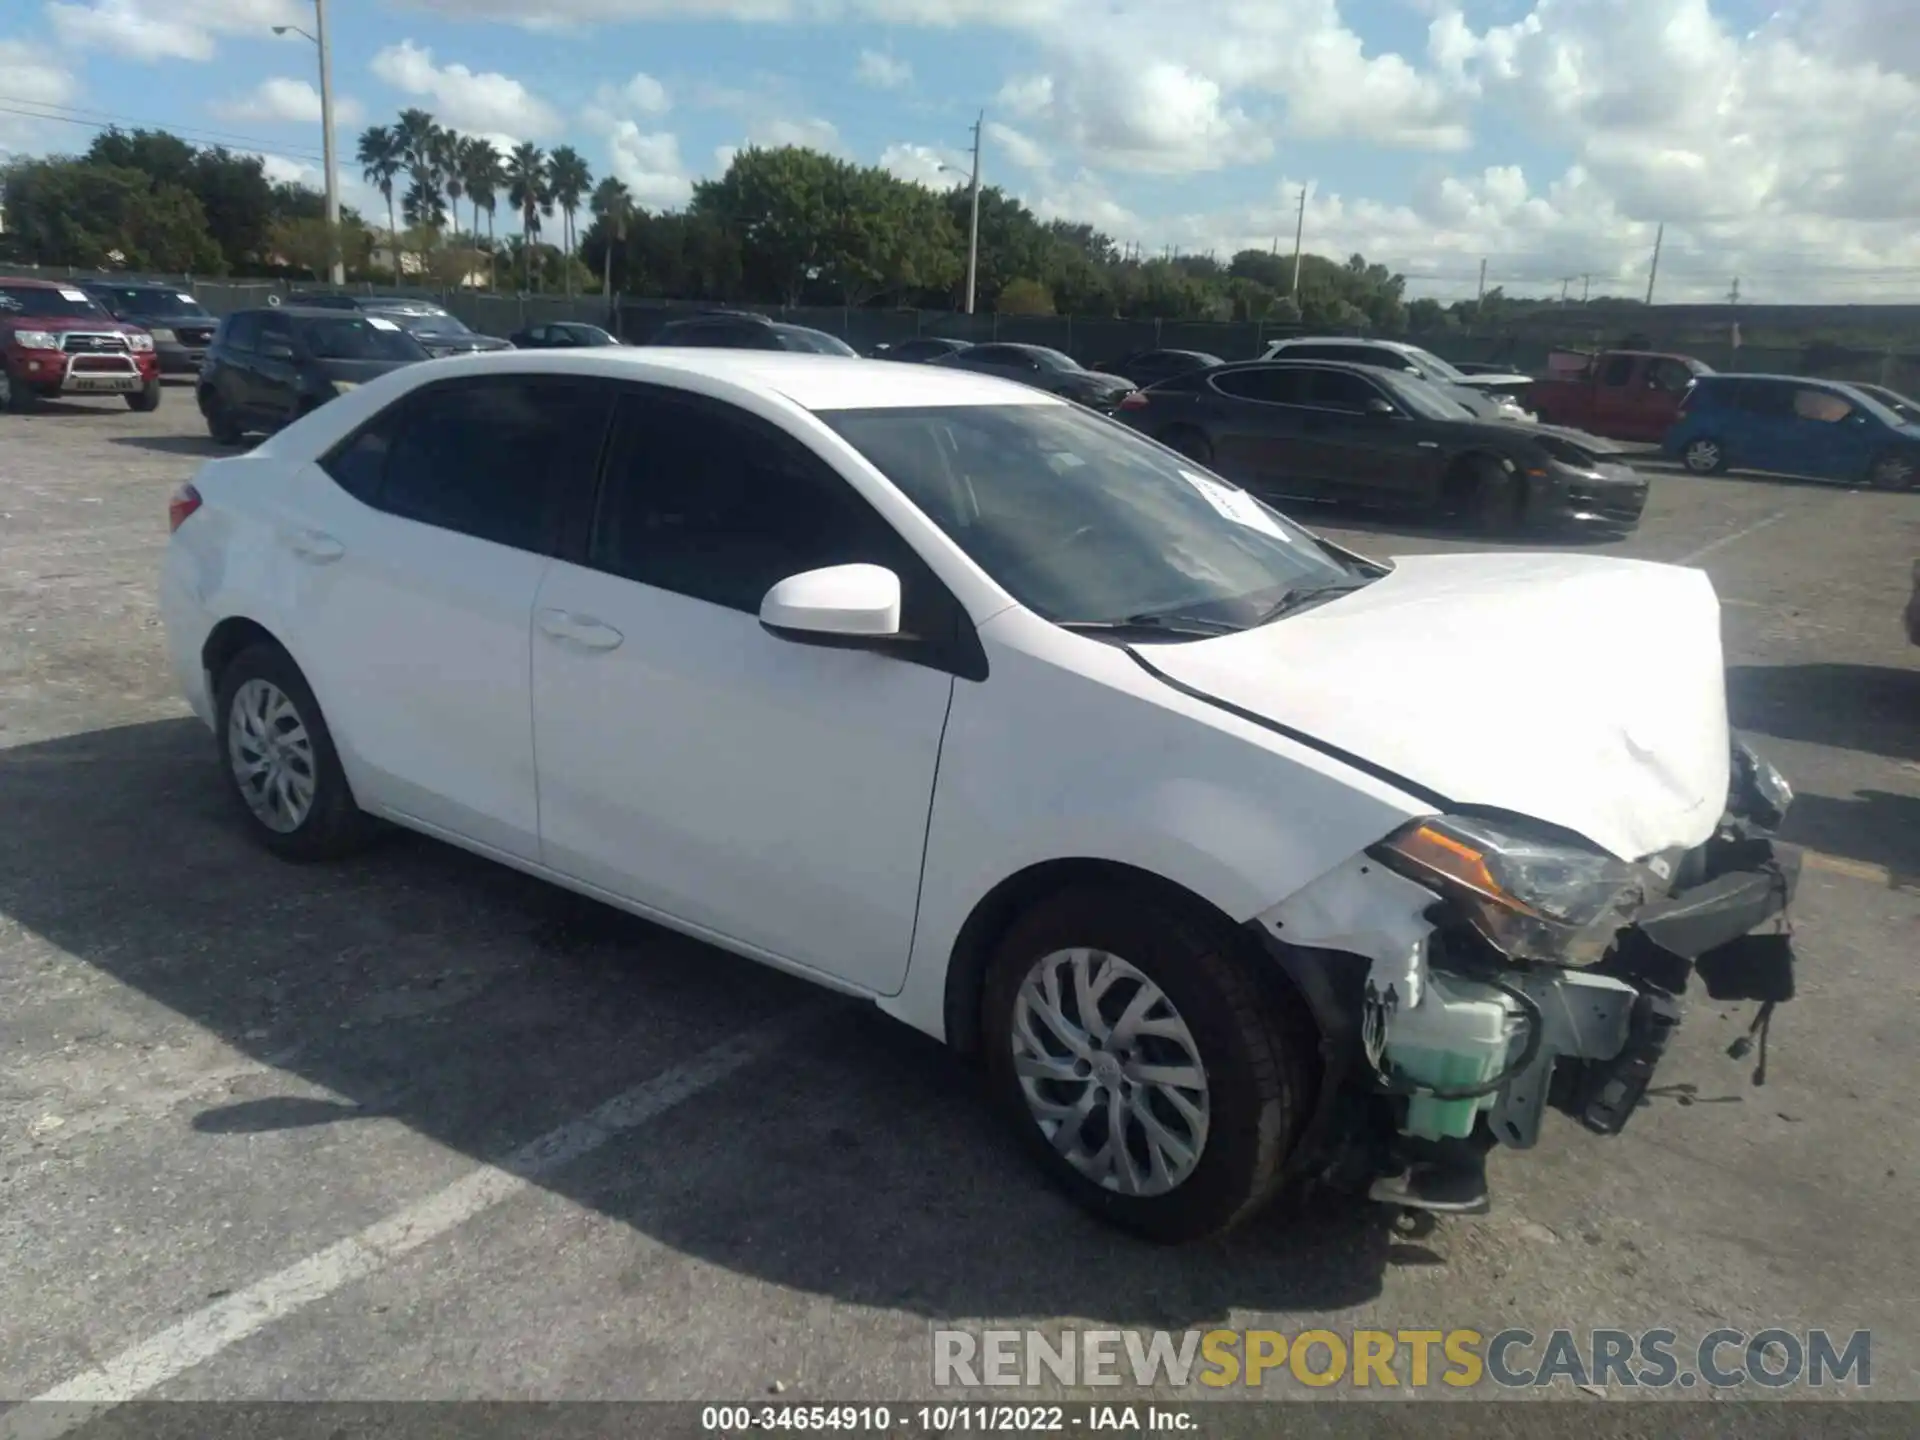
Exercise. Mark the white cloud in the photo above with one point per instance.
(882, 71)
(646, 94)
(810, 131)
(486, 101)
(650, 165)
(31, 75)
(293, 101)
(1021, 149)
(923, 165)
(168, 29)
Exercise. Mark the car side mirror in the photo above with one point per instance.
(1381, 409)
(843, 603)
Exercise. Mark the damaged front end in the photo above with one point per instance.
(1471, 972)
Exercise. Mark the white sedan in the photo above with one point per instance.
(1240, 860)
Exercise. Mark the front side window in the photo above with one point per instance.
(499, 460)
(361, 337)
(711, 503)
(1340, 390)
(1084, 522)
(1821, 405)
(242, 331)
(1275, 385)
(1618, 370)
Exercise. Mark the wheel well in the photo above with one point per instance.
(1457, 484)
(228, 639)
(1006, 902)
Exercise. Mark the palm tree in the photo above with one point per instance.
(420, 143)
(613, 203)
(447, 146)
(484, 174)
(528, 188)
(381, 161)
(568, 180)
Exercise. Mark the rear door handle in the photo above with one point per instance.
(581, 630)
(316, 546)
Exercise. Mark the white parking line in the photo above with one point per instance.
(143, 1367)
(1695, 556)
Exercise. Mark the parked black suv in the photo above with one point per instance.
(745, 330)
(182, 328)
(268, 367)
(440, 331)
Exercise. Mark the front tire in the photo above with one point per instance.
(280, 762)
(16, 398)
(1142, 1063)
(1488, 495)
(145, 399)
(1892, 471)
(221, 425)
(1704, 456)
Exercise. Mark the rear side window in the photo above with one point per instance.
(508, 460)
(1765, 397)
(1278, 386)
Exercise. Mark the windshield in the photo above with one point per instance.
(161, 304)
(1433, 364)
(1907, 408)
(1082, 521)
(1427, 401)
(429, 324)
(1052, 359)
(49, 302)
(360, 337)
(1876, 407)
(817, 342)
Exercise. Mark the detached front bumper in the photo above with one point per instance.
(1438, 1049)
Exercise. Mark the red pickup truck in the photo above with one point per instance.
(1621, 394)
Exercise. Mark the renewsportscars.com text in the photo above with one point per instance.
(1515, 1359)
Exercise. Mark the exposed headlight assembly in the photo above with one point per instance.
(1531, 898)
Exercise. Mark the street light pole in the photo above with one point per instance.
(339, 272)
(973, 229)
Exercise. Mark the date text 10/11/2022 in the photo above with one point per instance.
(946, 1419)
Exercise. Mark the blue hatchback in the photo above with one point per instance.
(1793, 426)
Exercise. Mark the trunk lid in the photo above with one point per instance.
(1583, 691)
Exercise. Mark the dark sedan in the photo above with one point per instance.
(560, 335)
(1150, 367)
(1044, 369)
(267, 368)
(1351, 432)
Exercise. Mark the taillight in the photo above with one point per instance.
(184, 502)
(1135, 400)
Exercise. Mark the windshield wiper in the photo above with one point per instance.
(1152, 627)
(1306, 596)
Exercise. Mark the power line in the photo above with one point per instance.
(107, 120)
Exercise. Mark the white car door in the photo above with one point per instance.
(771, 793)
(416, 556)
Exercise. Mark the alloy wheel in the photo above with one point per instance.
(1892, 472)
(271, 755)
(1703, 456)
(1110, 1072)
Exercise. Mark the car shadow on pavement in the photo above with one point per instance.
(482, 1008)
(1874, 826)
(1873, 709)
(180, 445)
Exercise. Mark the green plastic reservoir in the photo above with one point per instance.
(1458, 1036)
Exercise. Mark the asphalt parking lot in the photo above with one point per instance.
(416, 1127)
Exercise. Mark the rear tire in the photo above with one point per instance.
(1892, 471)
(145, 399)
(1187, 441)
(280, 763)
(1704, 455)
(221, 425)
(15, 397)
(1221, 1145)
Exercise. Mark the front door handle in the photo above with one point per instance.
(581, 630)
(315, 546)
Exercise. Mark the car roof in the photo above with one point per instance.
(34, 282)
(1342, 340)
(296, 312)
(102, 283)
(812, 382)
(1721, 377)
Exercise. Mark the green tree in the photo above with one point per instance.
(484, 174)
(422, 146)
(1021, 296)
(569, 179)
(781, 203)
(77, 212)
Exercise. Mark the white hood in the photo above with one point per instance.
(1586, 692)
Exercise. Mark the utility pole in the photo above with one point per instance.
(973, 226)
(1733, 295)
(339, 272)
(1586, 288)
(1565, 281)
(1654, 269)
(1299, 230)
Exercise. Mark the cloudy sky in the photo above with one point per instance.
(1780, 144)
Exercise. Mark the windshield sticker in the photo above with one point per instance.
(377, 323)
(78, 295)
(1237, 505)
(185, 299)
